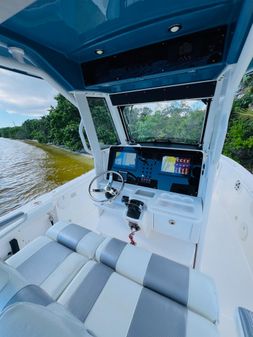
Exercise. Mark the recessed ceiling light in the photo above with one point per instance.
(99, 51)
(175, 28)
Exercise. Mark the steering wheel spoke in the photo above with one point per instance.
(110, 182)
(98, 190)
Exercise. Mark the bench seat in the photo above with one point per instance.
(116, 289)
(52, 264)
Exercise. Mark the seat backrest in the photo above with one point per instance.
(76, 238)
(33, 320)
(14, 288)
(168, 278)
(11, 281)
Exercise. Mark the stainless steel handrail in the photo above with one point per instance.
(13, 218)
(85, 146)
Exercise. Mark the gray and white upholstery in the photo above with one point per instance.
(114, 305)
(245, 322)
(112, 288)
(33, 320)
(168, 278)
(51, 264)
(10, 283)
(14, 288)
(75, 237)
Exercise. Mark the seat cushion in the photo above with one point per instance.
(168, 278)
(48, 264)
(10, 283)
(110, 304)
(32, 320)
(52, 261)
(76, 238)
(125, 291)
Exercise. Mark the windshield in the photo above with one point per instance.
(180, 121)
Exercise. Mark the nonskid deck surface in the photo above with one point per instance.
(101, 279)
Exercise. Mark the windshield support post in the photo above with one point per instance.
(90, 130)
(121, 134)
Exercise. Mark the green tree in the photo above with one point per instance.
(59, 127)
(239, 139)
(102, 121)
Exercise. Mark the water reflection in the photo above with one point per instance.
(27, 171)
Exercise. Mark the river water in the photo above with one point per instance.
(29, 170)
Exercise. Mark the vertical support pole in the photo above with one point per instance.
(116, 120)
(90, 130)
(83, 140)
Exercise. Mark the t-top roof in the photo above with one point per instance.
(128, 40)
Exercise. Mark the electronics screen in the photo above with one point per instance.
(174, 170)
(176, 165)
(126, 159)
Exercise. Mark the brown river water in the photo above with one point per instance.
(29, 170)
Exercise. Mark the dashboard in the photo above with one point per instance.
(173, 170)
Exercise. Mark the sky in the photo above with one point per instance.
(23, 97)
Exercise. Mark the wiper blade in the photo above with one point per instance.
(163, 140)
(157, 140)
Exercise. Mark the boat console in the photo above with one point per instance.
(171, 170)
(159, 197)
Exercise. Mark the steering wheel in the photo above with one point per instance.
(110, 192)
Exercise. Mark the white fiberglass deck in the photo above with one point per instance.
(228, 254)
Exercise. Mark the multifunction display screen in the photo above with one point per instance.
(125, 159)
(177, 165)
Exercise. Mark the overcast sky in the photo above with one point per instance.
(23, 97)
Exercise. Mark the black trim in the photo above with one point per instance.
(205, 122)
(199, 49)
(186, 91)
(14, 246)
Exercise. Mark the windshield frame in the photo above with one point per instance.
(168, 141)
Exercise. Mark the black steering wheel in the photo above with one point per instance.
(110, 192)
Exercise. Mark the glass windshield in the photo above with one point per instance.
(103, 122)
(180, 121)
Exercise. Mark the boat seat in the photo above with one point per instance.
(116, 289)
(33, 320)
(107, 303)
(51, 261)
(182, 284)
(110, 304)
(76, 238)
(10, 283)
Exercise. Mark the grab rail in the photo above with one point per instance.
(13, 218)
(85, 146)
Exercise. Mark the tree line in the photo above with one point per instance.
(239, 139)
(60, 125)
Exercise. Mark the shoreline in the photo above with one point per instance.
(59, 147)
